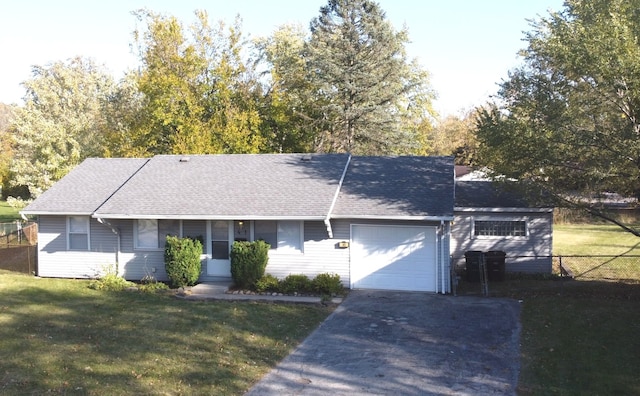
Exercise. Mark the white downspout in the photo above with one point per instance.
(442, 260)
(327, 219)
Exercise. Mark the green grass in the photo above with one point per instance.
(598, 240)
(593, 239)
(580, 345)
(7, 213)
(579, 337)
(58, 336)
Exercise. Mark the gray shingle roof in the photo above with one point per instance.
(397, 186)
(487, 194)
(86, 187)
(244, 186)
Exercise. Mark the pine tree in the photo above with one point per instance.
(359, 64)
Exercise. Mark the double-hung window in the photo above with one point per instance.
(283, 236)
(152, 234)
(500, 228)
(78, 232)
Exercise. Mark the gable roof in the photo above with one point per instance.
(255, 186)
(396, 187)
(248, 186)
(86, 187)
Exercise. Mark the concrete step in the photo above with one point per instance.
(211, 288)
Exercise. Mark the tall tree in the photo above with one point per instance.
(568, 121)
(58, 126)
(6, 144)
(286, 108)
(197, 90)
(359, 64)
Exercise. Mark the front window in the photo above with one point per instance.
(152, 234)
(78, 232)
(283, 236)
(500, 228)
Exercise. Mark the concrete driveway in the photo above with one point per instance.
(401, 343)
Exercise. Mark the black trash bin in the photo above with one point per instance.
(473, 258)
(494, 261)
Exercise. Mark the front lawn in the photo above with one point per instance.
(58, 336)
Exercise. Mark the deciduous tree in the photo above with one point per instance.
(58, 126)
(568, 120)
(196, 87)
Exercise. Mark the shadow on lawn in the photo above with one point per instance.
(81, 341)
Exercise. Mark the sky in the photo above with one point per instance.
(468, 46)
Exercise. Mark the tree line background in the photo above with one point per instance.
(566, 122)
(201, 87)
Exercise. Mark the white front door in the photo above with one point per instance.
(221, 235)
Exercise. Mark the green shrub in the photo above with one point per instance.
(110, 281)
(182, 260)
(152, 287)
(296, 283)
(248, 262)
(327, 284)
(149, 284)
(268, 283)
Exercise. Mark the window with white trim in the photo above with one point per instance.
(500, 228)
(283, 236)
(152, 234)
(78, 232)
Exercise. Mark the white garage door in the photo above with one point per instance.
(393, 257)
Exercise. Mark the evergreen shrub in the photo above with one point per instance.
(182, 260)
(248, 262)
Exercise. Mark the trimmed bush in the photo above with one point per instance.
(248, 262)
(268, 283)
(327, 284)
(296, 283)
(182, 260)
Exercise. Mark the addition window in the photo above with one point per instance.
(152, 234)
(283, 236)
(78, 232)
(500, 228)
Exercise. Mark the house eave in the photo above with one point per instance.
(53, 213)
(503, 210)
(120, 216)
(394, 217)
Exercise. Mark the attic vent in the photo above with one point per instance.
(184, 159)
(305, 158)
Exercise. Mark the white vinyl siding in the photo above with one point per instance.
(529, 253)
(56, 261)
(78, 232)
(321, 254)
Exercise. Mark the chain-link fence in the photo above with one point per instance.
(609, 268)
(589, 275)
